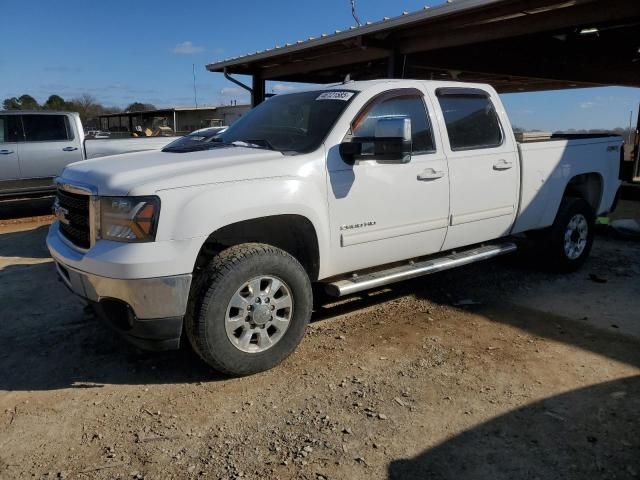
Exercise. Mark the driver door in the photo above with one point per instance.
(381, 211)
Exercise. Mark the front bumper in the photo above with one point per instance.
(148, 311)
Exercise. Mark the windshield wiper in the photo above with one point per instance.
(197, 147)
(258, 143)
(216, 143)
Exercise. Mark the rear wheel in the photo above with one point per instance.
(567, 243)
(251, 306)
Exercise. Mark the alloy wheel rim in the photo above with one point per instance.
(575, 236)
(259, 314)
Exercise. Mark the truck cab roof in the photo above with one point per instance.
(362, 85)
(37, 112)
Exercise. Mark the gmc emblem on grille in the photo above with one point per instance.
(60, 213)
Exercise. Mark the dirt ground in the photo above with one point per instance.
(493, 371)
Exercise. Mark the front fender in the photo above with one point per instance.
(197, 212)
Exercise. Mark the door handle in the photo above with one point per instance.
(502, 164)
(430, 174)
(6, 152)
(69, 149)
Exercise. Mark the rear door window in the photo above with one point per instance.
(43, 128)
(10, 128)
(471, 119)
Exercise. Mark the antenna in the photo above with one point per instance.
(195, 92)
(353, 12)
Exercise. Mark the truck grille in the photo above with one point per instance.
(74, 217)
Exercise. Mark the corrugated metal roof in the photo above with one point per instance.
(449, 8)
(172, 109)
(516, 45)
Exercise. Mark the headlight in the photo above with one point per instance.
(129, 219)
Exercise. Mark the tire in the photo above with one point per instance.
(567, 243)
(271, 307)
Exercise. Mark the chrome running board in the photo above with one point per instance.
(366, 281)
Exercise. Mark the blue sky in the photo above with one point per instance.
(121, 51)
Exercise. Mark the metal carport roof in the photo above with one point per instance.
(516, 45)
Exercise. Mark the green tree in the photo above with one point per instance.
(86, 105)
(27, 102)
(24, 102)
(55, 102)
(11, 104)
(140, 107)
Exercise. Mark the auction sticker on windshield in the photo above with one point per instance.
(344, 96)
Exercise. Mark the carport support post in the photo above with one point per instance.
(257, 90)
(394, 65)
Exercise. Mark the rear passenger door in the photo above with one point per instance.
(50, 144)
(483, 164)
(9, 167)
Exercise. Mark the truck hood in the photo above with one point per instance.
(144, 173)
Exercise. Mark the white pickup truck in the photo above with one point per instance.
(36, 146)
(352, 186)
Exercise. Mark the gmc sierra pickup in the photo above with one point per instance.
(352, 186)
(36, 146)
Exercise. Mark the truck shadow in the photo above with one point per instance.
(48, 341)
(501, 275)
(25, 244)
(586, 433)
(25, 207)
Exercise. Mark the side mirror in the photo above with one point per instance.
(390, 142)
(350, 150)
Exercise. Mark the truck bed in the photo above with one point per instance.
(539, 136)
(99, 147)
(547, 165)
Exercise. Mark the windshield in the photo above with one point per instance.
(198, 140)
(292, 123)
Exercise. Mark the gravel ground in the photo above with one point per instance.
(493, 371)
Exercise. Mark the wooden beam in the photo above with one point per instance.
(592, 13)
(601, 61)
(323, 61)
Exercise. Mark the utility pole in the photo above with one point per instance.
(195, 93)
(353, 13)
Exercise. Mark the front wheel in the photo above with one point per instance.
(567, 243)
(251, 306)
